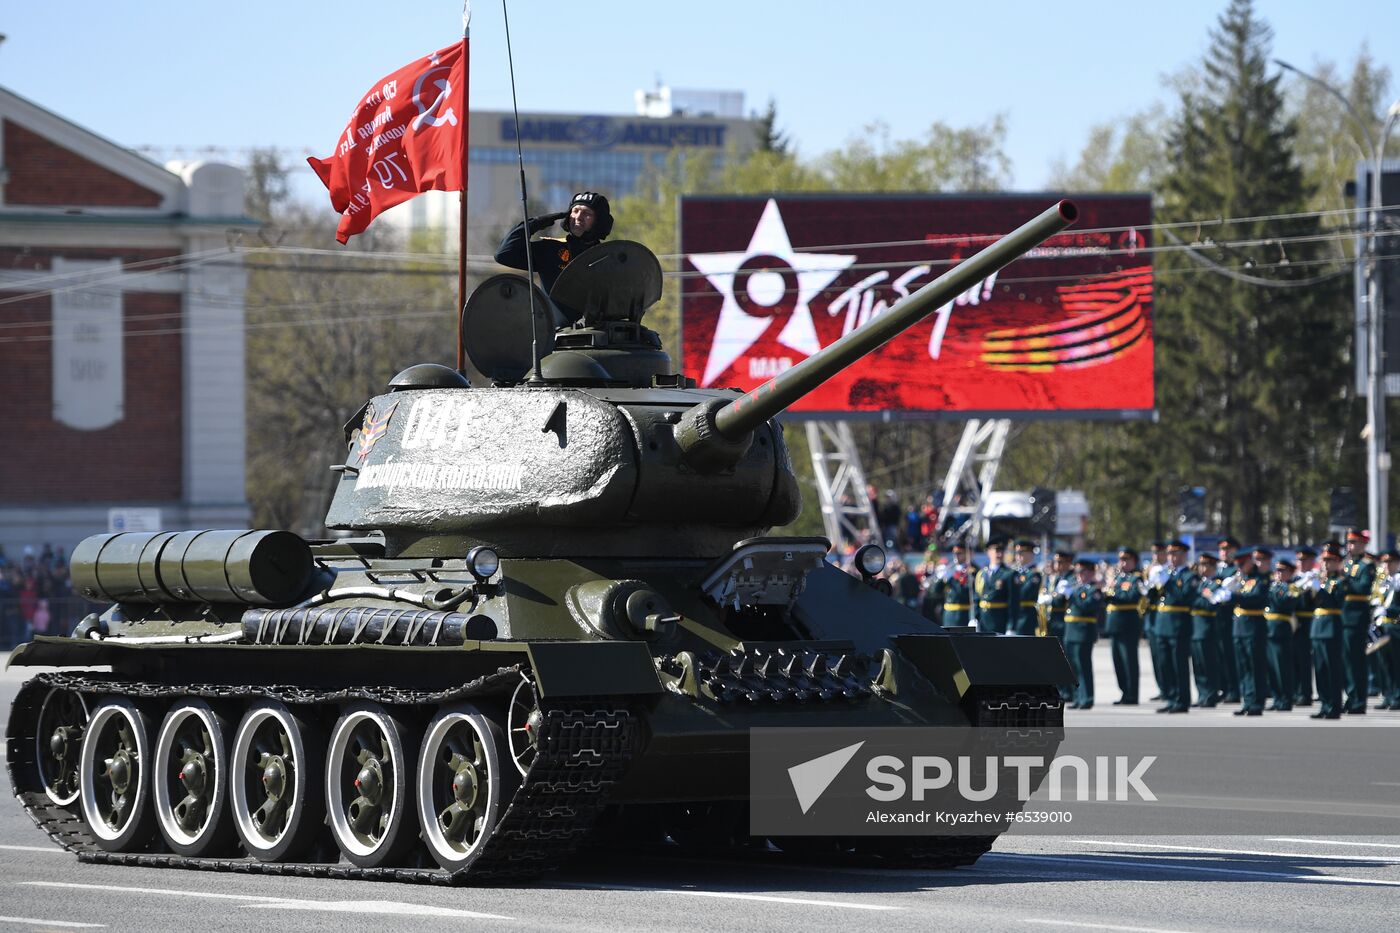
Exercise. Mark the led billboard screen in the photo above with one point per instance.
(1063, 331)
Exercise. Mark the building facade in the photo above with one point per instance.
(121, 336)
(565, 153)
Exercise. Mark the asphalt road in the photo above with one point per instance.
(1139, 884)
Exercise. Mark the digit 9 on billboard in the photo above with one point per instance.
(1065, 331)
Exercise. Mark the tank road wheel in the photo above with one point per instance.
(274, 783)
(461, 784)
(523, 722)
(115, 796)
(190, 779)
(58, 741)
(369, 793)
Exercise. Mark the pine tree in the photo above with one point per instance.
(1253, 359)
(770, 138)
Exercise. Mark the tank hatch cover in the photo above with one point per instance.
(609, 282)
(764, 571)
(496, 341)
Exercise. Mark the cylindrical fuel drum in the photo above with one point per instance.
(253, 568)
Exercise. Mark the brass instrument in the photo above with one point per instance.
(1042, 608)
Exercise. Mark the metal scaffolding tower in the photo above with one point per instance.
(972, 474)
(846, 508)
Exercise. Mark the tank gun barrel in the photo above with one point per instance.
(755, 407)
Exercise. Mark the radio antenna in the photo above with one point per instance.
(524, 210)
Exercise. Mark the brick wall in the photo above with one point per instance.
(136, 459)
(43, 173)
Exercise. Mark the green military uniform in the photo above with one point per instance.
(1357, 577)
(1280, 622)
(1123, 625)
(1205, 643)
(1055, 619)
(1027, 586)
(1154, 640)
(1227, 676)
(1375, 656)
(1178, 592)
(1302, 646)
(996, 594)
(955, 596)
(1390, 653)
(1251, 657)
(1205, 658)
(1082, 608)
(1327, 646)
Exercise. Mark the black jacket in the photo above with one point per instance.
(548, 256)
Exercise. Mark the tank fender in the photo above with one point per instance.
(593, 668)
(956, 663)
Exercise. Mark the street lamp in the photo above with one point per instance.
(1377, 453)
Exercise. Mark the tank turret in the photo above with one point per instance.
(601, 448)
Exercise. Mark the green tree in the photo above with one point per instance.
(947, 159)
(1254, 359)
(1330, 140)
(770, 138)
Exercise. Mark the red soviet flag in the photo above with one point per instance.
(407, 136)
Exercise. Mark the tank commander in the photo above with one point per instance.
(587, 222)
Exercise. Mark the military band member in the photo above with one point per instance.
(1123, 623)
(1249, 597)
(1227, 675)
(1302, 636)
(1280, 624)
(995, 590)
(1385, 617)
(1178, 585)
(1026, 619)
(1388, 622)
(1357, 575)
(1205, 613)
(1329, 596)
(1149, 615)
(952, 587)
(1083, 603)
(1206, 616)
(1055, 597)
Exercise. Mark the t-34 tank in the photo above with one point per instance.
(554, 610)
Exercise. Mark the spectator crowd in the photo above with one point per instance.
(36, 595)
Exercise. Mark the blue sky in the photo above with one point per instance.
(258, 73)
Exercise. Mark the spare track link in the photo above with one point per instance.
(583, 751)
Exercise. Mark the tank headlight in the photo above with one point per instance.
(483, 562)
(870, 559)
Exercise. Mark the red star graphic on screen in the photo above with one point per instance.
(767, 281)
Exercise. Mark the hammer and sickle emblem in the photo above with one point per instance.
(427, 114)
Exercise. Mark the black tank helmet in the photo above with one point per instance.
(603, 219)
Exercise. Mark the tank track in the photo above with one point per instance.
(583, 751)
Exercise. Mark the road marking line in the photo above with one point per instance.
(1389, 860)
(1106, 860)
(126, 890)
(1334, 842)
(289, 903)
(733, 895)
(397, 908)
(53, 849)
(1080, 925)
(52, 923)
